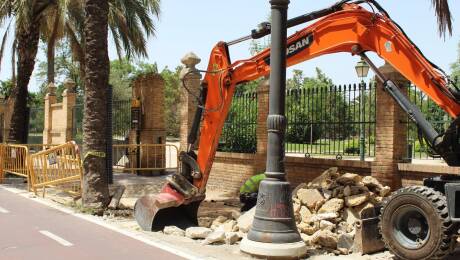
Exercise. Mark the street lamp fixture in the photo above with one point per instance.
(362, 69)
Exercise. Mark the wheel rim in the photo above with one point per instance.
(410, 227)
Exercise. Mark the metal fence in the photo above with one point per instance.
(434, 114)
(239, 133)
(36, 124)
(121, 123)
(59, 167)
(329, 120)
(13, 160)
(121, 114)
(145, 158)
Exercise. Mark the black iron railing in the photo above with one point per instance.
(434, 114)
(239, 133)
(36, 124)
(327, 121)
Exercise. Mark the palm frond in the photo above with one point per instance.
(444, 16)
(3, 44)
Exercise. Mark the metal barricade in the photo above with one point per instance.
(14, 160)
(59, 167)
(35, 148)
(145, 158)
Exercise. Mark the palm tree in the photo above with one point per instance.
(130, 23)
(95, 187)
(28, 15)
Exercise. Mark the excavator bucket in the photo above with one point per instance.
(368, 239)
(154, 212)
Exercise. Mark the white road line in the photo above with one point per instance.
(56, 238)
(4, 211)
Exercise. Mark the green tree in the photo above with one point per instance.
(312, 101)
(121, 72)
(172, 100)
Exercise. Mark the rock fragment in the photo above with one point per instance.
(173, 230)
(197, 232)
(244, 222)
(332, 205)
(356, 200)
(325, 238)
(215, 237)
(310, 197)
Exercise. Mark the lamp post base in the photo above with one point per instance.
(285, 250)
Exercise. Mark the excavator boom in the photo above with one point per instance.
(344, 27)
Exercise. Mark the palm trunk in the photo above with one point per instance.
(50, 59)
(27, 46)
(95, 186)
(51, 49)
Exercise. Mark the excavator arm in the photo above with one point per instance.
(343, 27)
(353, 29)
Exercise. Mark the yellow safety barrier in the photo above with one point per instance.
(145, 157)
(35, 148)
(59, 166)
(14, 160)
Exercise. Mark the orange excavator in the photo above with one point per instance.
(416, 222)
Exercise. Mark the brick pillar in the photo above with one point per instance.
(188, 103)
(149, 89)
(69, 98)
(50, 99)
(391, 131)
(262, 134)
(2, 118)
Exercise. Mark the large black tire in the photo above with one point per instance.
(414, 224)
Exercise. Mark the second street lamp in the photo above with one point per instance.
(362, 69)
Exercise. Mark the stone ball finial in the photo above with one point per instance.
(52, 89)
(190, 60)
(69, 85)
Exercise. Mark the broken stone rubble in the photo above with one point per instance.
(326, 211)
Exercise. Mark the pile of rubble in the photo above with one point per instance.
(326, 210)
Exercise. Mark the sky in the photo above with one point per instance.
(196, 26)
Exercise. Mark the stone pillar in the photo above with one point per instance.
(69, 98)
(188, 104)
(50, 100)
(391, 131)
(261, 131)
(149, 89)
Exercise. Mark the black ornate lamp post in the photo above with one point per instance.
(274, 232)
(362, 69)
